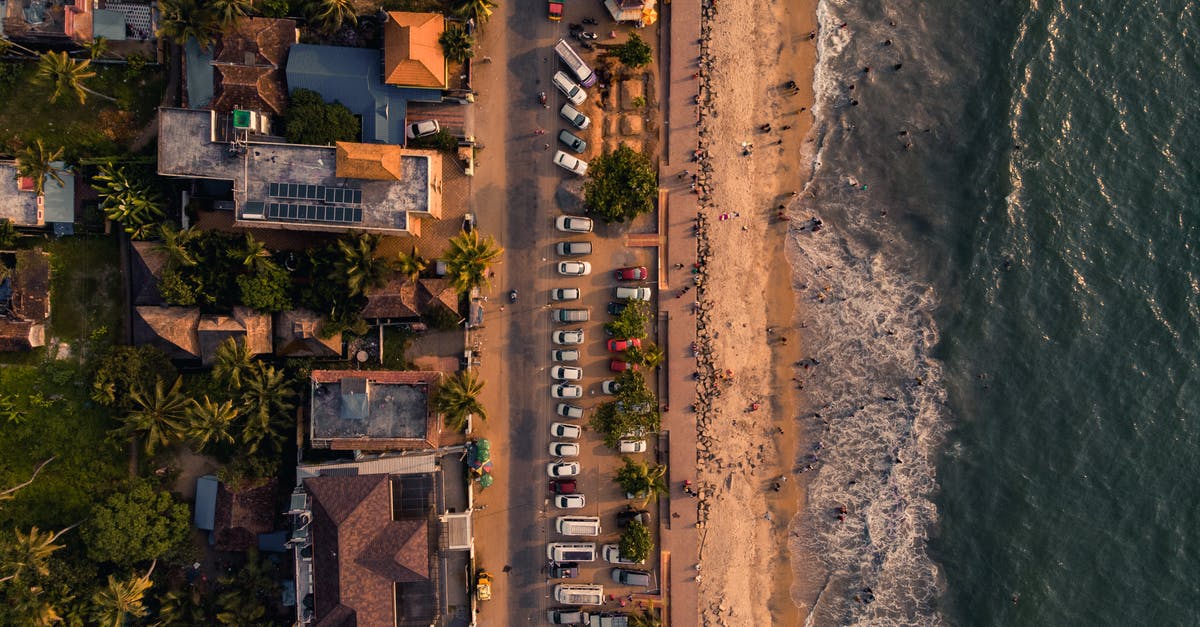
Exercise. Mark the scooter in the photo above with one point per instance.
(587, 34)
(590, 20)
(586, 46)
(573, 27)
(512, 296)
(541, 97)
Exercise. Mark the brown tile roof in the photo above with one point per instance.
(360, 554)
(412, 56)
(434, 292)
(243, 323)
(248, 65)
(21, 335)
(31, 285)
(377, 162)
(298, 334)
(410, 377)
(256, 41)
(241, 516)
(252, 88)
(396, 299)
(146, 266)
(171, 329)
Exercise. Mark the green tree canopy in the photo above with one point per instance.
(631, 322)
(649, 355)
(34, 161)
(621, 185)
(181, 20)
(125, 369)
(330, 15)
(458, 397)
(138, 525)
(642, 480)
(469, 258)
(634, 52)
(309, 120)
(359, 266)
(266, 289)
(129, 200)
(636, 542)
(65, 74)
(633, 413)
(478, 10)
(266, 401)
(457, 44)
(411, 265)
(122, 599)
(159, 415)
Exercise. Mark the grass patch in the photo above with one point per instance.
(85, 288)
(396, 343)
(55, 417)
(95, 127)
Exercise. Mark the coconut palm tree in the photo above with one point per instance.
(175, 244)
(332, 14)
(181, 20)
(233, 363)
(226, 12)
(210, 423)
(128, 200)
(65, 74)
(253, 254)
(97, 47)
(122, 599)
(640, 479)
(160, 417)
(183, 607)
(458, 397)
(359, 266)
(29, 553)
(457, 43)
(645, 618)
(649, 355)
(479, 10)
(33, 161)
(265, 402)
(469, 258)
(243, 601)
(411, 265)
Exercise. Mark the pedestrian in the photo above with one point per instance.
(545, 146)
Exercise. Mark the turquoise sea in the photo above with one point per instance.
(1005, 305)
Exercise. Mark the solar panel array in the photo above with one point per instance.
(318, 193)
(314, 213)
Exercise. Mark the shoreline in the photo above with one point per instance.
(743, 465)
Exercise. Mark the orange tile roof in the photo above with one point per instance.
(378, 162)
(412, 55)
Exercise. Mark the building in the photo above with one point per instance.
(25, 301)
(403, 300)
(301, 333)
(54, 208)
(412, 54)
(186, 335)
(307, 188)
(248, 64)
(373, 410)
(639, 11)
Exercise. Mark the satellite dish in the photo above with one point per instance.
(361, 356)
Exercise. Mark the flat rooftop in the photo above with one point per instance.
(295, 186)
(373, 410)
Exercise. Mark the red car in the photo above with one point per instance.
(618, 346)
(632, 274)
(618, 365)
(563, 486)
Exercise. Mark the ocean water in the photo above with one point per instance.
(1003, 300)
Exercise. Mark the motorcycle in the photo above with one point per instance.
(587, 34)
(590, 20)
(541, 97)
(512, 296)
(573, 27)
(586, 46)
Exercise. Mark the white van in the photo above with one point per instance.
(571, 552)
(579, 594)
(586, 77)
(569, 88)
(578, 525)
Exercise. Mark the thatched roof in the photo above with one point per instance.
(436, 293)
(396, 299)
(243, 323)
(298, 334)
(146, 266)
(170, 329)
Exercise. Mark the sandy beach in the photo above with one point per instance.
(750, 398)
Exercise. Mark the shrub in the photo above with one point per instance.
(138, 525)
(621, 185)
(634, 52)
(636, 542)
(310, 120)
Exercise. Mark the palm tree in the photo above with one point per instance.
(411, 265)
(640, 479)
(458, 397)
(160, 417)
(254, 254)
(182, 607)
(127, 200)
(65, 74)
(645, 618)
(97, 47)
(266, 399)
(225, 12)
(175, 244)
(468, 260)
(243, 601)
(210, 423)
(8, 233)
(649, 355)
(331, 14)
(457, 43)
(33, 161)
(122, 599)
(181, 20)
(359, 266)
(29, 554)
(233, 362)
(479, 10)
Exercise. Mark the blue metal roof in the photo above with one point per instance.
(59, 202)
(206, 502)
(199, 74)
(108, 24)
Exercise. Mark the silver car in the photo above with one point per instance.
(573, 337)
(564, 293)
(566, 373)
(574, 268)
(572, 224)
(572, 115)
(569, 411)
(565, 354)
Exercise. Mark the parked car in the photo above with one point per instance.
(631, 274)
(574, 165)
(564, 570)
(632, 446)
(569, 411)
(424, 128)
(566, 391)
(572, 141)
(574, 268)
(564, 354)
(615, 308)
(564, 449)
(612, 554)
(468, 224)
(572, 115)
(566, 316)
(630, 577)
(563, 486)
(572, 337)
(629, 514)
(573, 224)
(610, 386)
(569, 88)
(566, 373)
(575, 249)
(564, 293)
(620, 346)
(570, 501)
(562, 469)
(620, 365)
(633, 293)
(565, 430)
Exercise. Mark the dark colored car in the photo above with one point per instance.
(563, 486)
(626, 515)
(615, 308)
(631, 274)
(563, 570)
